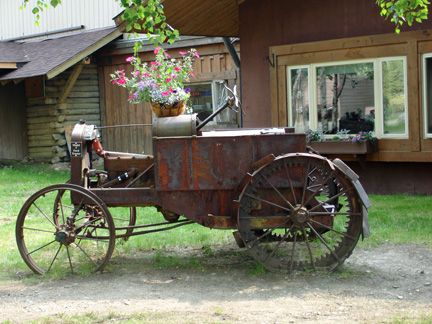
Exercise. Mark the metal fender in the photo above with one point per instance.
(362, 193)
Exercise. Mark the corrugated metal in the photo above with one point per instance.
(90, 13)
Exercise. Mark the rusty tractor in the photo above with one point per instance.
(292, 209)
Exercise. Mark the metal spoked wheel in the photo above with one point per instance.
(65, 228)
(291, 217)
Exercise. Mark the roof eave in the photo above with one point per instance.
(198, 18)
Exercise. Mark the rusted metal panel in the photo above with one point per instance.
(215, 163)
(220, 162)
(127, 196)
(172, 163)
(197, 205)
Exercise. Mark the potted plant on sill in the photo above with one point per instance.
(161, 82)
(342, 143)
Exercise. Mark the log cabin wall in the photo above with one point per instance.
(70, 96)
(214, 63)
(13, 131)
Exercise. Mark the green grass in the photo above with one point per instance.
(411, 319)
(400, 219)
(147, 317)
(393, 219)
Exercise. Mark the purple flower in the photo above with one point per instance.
(187, 90)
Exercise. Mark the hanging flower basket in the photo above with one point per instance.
(168, 110)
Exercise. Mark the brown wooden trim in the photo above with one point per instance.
(70, 82)
(274, 97)
(342, 55)
(219, 75)
(4, 65)
(414, 126)
(282, 97)
(354, 42)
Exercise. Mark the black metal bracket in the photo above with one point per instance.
(267, 58)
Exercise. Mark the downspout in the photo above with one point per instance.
(232, 52)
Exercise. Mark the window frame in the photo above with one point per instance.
(378, 93)
(425, 101)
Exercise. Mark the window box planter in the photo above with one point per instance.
(344, 147)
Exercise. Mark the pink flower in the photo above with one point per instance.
(167, 55)
(193, 75)
(166, 93)
(137, 72)
(177, 68)
(115, 81)
(157, 75)
(122, 81)
(168, 80)
(153, 63)
(130, 98)
(182, 53)
(171, 90)
(157, 50)
(196, 54)
(129, 59)
(146, 74)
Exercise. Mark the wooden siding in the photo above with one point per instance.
(412, 45)
(13, 132)
(47, 116)
(90, 13)
(214, 64)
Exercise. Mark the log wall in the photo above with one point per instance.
(71, 96)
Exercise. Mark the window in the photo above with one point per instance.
(207, 97)
(427, 93)
(357, 96)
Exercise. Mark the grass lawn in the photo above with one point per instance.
(393, 219)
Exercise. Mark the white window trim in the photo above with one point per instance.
(379, 120)
(425, 107)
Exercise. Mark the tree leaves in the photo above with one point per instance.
(402, 11)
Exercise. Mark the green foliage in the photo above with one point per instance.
(40, 6)
(149, 17)
(402, 11)
(143, 16)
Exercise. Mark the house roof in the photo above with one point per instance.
(50, 57)
(199, 18)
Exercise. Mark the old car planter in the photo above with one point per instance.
(293, 210)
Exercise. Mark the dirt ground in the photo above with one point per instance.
(373, 286)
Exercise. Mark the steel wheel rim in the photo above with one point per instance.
(47, 241)
(307, 238)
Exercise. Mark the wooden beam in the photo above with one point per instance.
(70, 82)
(8, 65)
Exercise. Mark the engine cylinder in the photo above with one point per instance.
(183, 125)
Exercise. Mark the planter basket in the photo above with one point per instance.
(162, 110)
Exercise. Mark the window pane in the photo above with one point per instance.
(201, 98)
(299, 114)
(428, 93)
(393, 96)
(345, 98)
